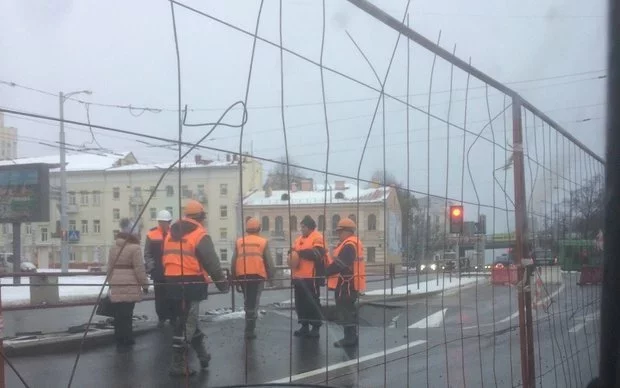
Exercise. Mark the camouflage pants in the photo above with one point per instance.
(186, 327)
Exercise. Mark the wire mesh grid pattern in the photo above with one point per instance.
(457, 137)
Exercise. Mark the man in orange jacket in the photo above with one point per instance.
(189, 260)
(153, 251)
(307, 261)
(349, 272)
(251, 265)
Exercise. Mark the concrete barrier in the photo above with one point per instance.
(44, 290)
(550, 274)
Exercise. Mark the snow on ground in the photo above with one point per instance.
(426, 287)
(71, 288)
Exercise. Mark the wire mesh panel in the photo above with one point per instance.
(480, 218)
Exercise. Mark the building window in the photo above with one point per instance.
(224, 254)
(321, 222)
(72, 225)
(169, 191)
(370, 254)
(152, 191)
(6, 228)
(169, 209)
(223, 233)
(84, 226)
(96, 226)
(28, 228)
(223, 211)
(71, 198)
(201, 189)
(43, 234)
(96, 198)
(153, 212)
(115, 232)
(72, 257)
(84, 198)
(116, 214)
(372, 222)
(137, 192)
(116, 193)
(294, 223)
(353, 218)
(279, 224)
(279, 256)
(335, 221)
(185, 192)
(265, 224)
(223, 189)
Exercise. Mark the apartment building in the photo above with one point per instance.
(103, 188)
(376, 206)
(8, 141)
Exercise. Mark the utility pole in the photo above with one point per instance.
(64, 219)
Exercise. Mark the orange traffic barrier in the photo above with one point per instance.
(501, 274)
(590, 275)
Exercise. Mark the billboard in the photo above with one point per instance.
(24, 193)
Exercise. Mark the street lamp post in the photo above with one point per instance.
(64, 220)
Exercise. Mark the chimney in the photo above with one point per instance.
(293, 187)
(307, 185)
(197, 159)
(268, 192)
(228, 157)
(339, 185)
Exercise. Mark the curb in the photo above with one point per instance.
(65, 342)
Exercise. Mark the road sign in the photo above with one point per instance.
(73, 236)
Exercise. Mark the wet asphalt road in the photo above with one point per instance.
(467, 348)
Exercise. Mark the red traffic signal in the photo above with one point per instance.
(456, 219)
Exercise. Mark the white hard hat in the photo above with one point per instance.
(164, 215)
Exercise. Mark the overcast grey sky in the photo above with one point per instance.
(124, 52)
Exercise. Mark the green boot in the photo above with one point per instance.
(180, 367)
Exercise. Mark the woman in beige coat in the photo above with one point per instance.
(127, 279)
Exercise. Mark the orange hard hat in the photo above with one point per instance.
(252, 225)
(346, 224)
(193, 208)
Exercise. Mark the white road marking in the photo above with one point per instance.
(588, 318)
(345, 364)
(433, 320)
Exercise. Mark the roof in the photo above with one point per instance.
(125, 161)
(317, 196)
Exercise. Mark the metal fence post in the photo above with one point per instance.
(392, 274)
(2, 382)
(525, 297)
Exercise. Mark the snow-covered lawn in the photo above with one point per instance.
(425, 287)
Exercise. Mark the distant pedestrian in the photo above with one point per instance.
(251, 265)
(347, 274)
(189, 261)
(307, 260)
(153, 252)
(128, 281)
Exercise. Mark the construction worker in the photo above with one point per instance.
(153, 251)
(189, 259)
(251, 265)
(307, 260)
(347, 273)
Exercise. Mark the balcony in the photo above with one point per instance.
(73, 209)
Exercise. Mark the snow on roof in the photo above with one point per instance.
(163, 166)
(349, 195)
(74, 161)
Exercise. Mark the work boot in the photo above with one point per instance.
(180, 366)
(303, 331)
(250, 326)
(350, 338)
(315, 332)
(201, 352)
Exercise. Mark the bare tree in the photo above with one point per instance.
(277, 177)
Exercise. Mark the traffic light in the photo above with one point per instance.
(456, 219)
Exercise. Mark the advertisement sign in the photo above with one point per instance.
(24, 193)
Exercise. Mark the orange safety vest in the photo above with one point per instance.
(187, 264)
(305, 268)
(250, 250)
(359, 266)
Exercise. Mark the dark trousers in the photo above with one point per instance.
(307, 302)
(347, 311)
(186, 327)
(123, 321)
(252, 288)
(162, 304)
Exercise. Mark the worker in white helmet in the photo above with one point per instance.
(153, 252)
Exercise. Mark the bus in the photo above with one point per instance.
(573, 254)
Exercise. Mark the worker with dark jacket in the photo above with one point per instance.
(347, 275)
(153, 251)
(189, 262)
(307, 260)
(251, 265)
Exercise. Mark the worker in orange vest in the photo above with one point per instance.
(307, 260)
(189, 260)
(153, 251)
(251, 265)
(347, 273)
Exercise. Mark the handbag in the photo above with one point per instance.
(105, 307)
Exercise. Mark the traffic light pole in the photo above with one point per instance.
(526, 332)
